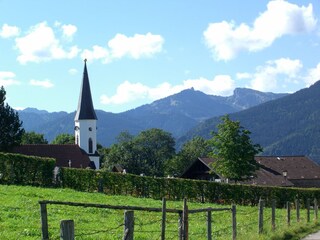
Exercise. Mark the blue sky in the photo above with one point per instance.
(144, 50)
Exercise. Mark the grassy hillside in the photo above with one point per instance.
(20, 217)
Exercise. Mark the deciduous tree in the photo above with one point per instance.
(190, 151)
(145, 153)
(33, 138)
(64, 138)
(233, 150)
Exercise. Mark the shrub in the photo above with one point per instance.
(176, 189)
(26, 170)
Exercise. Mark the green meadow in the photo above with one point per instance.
(20, 217)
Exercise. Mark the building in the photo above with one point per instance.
(68, 155)
(285, 171)
(86, 121)
(83, 153)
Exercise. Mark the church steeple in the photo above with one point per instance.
(85, 106)
(85, 121)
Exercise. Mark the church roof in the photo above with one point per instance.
(85, 109)
(62, 154)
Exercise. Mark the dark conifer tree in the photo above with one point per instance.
(11, 130)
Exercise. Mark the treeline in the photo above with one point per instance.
(152, 153)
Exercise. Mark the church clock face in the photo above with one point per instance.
(76, 128)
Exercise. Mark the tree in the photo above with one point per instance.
(155, 148)
(122, 153)
(10, 125)
(64, 138)
(146, 153)
(190, 151)
(33, 138)
(233, 150)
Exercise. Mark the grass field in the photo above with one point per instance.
(20, 217)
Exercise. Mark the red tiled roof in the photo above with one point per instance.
(62, 153)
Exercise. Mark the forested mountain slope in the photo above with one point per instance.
(286, 126)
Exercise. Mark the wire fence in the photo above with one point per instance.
(148, 222)
(96, 221)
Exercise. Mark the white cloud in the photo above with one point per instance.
(128, 92)
(313, 75)
(222, 85)
(73, 71)
(19, 108)
(7, 79)
(136, 47)
(41, 83)
(97, 52)
(9, 31)
(275, 75)
(69, 30)
(226, 39)
(41, 44)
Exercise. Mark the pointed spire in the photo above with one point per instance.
(85, 106)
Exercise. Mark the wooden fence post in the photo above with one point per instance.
(209, 225)
(298, 209)
(273, 215)
(234, 222)
(163, 222)
(185, 223)
(308, 210)
(66, 230)
(44, 221)
(180, 227)
(315, 209)
(128, 225)
(261, 205)
(288, 213)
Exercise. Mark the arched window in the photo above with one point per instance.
(90, 145)
(77, 140)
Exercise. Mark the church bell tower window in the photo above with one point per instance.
(90, 145)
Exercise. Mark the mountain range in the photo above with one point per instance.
(286, 126)
(176, 114)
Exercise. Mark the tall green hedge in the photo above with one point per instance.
(26, 170)
(175, 188)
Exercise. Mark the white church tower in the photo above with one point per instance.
(86, 121)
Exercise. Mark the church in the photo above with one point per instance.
(82, 154)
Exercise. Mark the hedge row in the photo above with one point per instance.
(26, 170)
(36, 171)
(194, 190)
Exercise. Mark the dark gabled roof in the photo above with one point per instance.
(269, 178)
(297, 167)
(117, 168)
(62, 154)
(264, 176)
(271, 170)
(85, 109)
